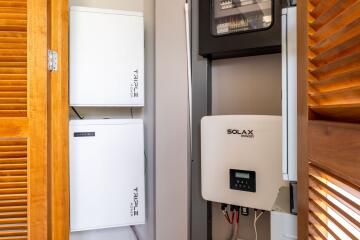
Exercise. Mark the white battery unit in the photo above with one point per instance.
(241, 160)
(106, 174)
(106, 57)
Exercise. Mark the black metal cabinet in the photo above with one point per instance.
(236, 28)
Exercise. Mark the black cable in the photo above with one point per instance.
(76, 112)
(136, 234)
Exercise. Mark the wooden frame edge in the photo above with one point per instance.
(302, 194)
(60, 202)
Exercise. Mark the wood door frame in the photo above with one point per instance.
(302, 106)
(59, 111)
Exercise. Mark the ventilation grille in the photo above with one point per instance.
(334, 206)
(334, 59)
(13, 58)
(13, 189)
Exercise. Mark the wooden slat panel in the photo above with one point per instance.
(345, 18)
(13, 58)
(324, 14)
(324, 225)
(317, 184)
(316, 207)
(13, 188)
(315, 195)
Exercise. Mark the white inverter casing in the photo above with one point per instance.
(241, 152)
(106, 174)
(106, 57)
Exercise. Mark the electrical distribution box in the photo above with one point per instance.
(236, 28)
(241, 160)
(106, 174)
(106, 57)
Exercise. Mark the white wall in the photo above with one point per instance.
(147, 232)
(248, 85)
(172, 186)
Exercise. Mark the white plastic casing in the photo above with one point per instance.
(106, 174)
(289, 93)
(261, 153)
(283, 226)
(106, 57)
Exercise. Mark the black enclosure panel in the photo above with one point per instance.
(257, 42)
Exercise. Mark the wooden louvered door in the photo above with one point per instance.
(329, 119)
(23, 120)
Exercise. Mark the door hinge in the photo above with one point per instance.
(52, 60)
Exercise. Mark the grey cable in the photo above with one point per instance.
(136, 234)
(77, 113)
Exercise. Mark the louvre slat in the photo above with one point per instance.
(13, 46)
(12, 52)
(13, 172)
(315, 194)
(5, 233)
(13, 185)
(315, 231)
(13, 100)
(14, 15)
(345, 80)
(338, 97)
(13, 142)
(330, 12)
(13, 197)
(345, 18)
(338, 112)
(13, 154)
(339, 66)
(321, 7)
(13, 214)
(9, 70)
(13, 94)
(340, 51)
(13, 209)
(324, 225)
(13, 148)
(13, 83)
(316, 183)
(13, 4)
(13, 106)
(15, 226)
(348, 186)
(6, 77)
(13, 22)
(12, 160)
(5, 203)
(13, 40)
(12, 166)
(316, 207)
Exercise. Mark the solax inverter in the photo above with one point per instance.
(106, 57)
(106, 173)
(241, 160)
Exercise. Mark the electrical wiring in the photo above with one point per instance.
(226, 215)
(77, 113)
(136, 235)
(256, 218)
(131, 112)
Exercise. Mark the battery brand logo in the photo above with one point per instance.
(134, 205)
(243, 133)
(134, 85)
(84, 134)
